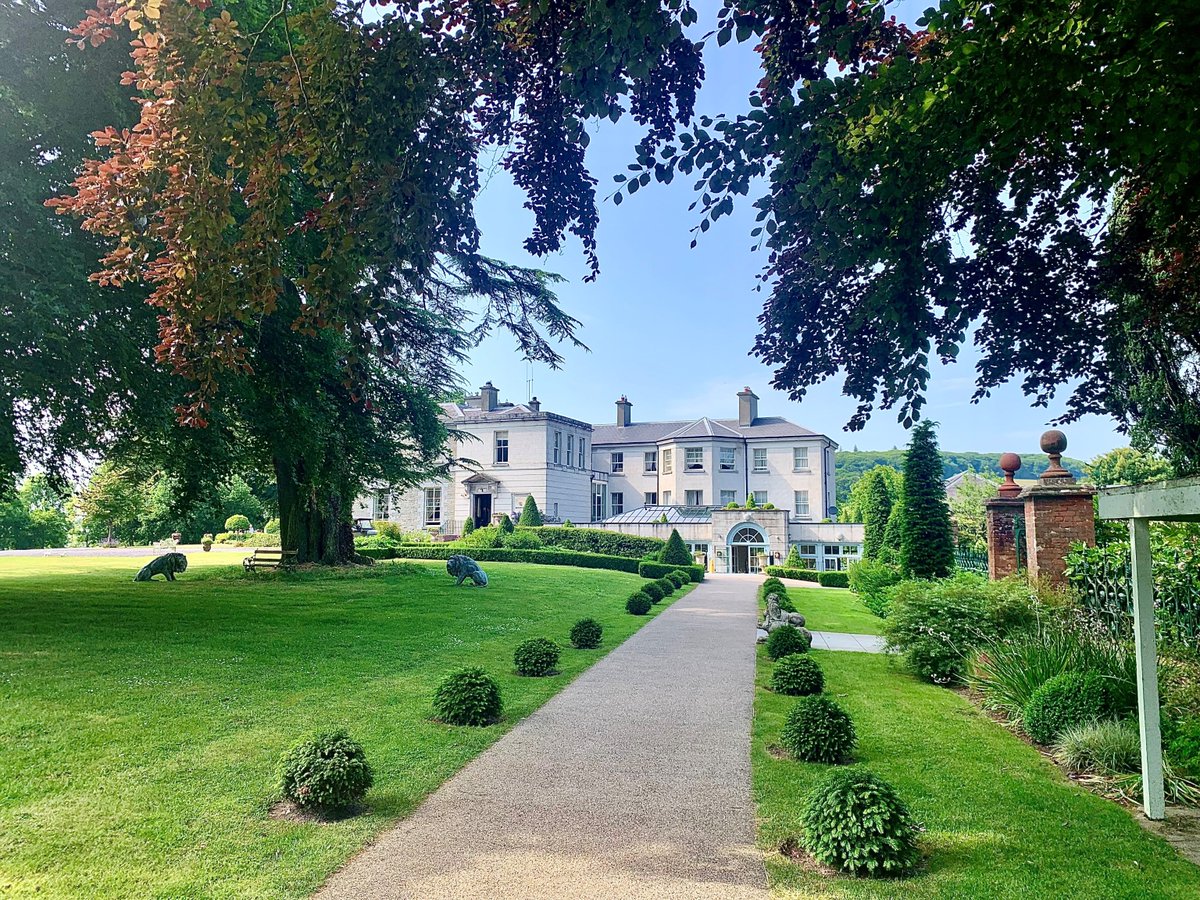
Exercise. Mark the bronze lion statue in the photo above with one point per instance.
(463, 567)
(169, 564)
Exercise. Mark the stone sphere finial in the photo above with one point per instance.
(1053, 443)
(1010, 463)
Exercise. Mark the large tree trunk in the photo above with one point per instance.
(314, 516)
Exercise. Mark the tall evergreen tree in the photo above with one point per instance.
(531, 516)
(875, 517)
(927, 542)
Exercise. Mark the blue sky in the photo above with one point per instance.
(672, 327)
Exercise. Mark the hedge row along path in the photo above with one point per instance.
(633, 782)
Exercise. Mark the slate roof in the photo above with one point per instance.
(652, 432)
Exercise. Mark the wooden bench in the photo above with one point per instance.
(269, 558)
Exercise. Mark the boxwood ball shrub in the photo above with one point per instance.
(772, 586)
(586, 634)
(667, 585)
(328, 773)
(797, 675)
(536, 657)
(638, 603)
(679, 577)
(653, 590)
(819, 730)
(854, 820)
(1071, 698)
(786, 640)
(468, 697)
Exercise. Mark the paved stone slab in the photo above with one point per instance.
(632, 783)
(857, 643)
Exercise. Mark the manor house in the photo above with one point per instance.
(699, 477)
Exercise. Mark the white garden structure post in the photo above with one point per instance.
(1165, 501)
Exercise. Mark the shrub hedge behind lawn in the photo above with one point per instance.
(648, 569)
(794, 574)
(597, 540)
(504, 554)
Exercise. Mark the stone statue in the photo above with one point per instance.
(169, 564)
(777, 618)
(463, 567)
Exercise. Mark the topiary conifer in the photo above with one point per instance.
(531, 516)
(927, 541)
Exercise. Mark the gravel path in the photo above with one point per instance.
(634, 782)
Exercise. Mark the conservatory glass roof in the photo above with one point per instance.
(676, 515)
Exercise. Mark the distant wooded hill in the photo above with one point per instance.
(851, 464)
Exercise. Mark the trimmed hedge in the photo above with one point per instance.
(595, 540)
(794, 574)
(834, 579)
(504, 554)
(1071, 698)
(649, 569)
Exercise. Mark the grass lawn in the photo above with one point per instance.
(1000, 820)
(834, 609)
(141, 723)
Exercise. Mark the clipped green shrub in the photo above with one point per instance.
(675, 553)
(468, 526)
(1071, 698)
(586, 634)
(328, 773)
(819, 730)
(531, 516)
(653, 590)
(833, 579)
(384, 528)
(786, 640)
(854, 821)
(521, 540)
(678, 578)
(772, 586)
(536, 657)
(487, 536)
(1183, 749)
(237, 523)
(667, 585)
(468, 697)
(794, 574)
(506, 524)
(272, 526)
(638, 604)
(1100, 748)
(797, 675)
(649, 568)
(794, 560)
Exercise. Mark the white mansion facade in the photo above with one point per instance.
(629, 476)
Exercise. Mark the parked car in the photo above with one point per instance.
(364, 527)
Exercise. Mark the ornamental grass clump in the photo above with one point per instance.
(536, 657)
(586, 634)
(797, 675)
(854, 821)
(1071, 698)
(638, 604)
(786, 640)
(819, 730)
(327, 774)
(653, 590)
(1100, 748)
(468, 697)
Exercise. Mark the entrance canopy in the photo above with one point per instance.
(1163, 501)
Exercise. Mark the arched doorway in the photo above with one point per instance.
(746, 542)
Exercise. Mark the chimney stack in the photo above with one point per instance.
(535, 405)
(747, 407)
(489, 397)
(624, 411)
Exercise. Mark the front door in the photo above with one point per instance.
(482, 510)
(740, 556)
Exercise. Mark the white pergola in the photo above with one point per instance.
(1162, 501)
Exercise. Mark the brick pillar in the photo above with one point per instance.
(1001, 537)
(1056, 515)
